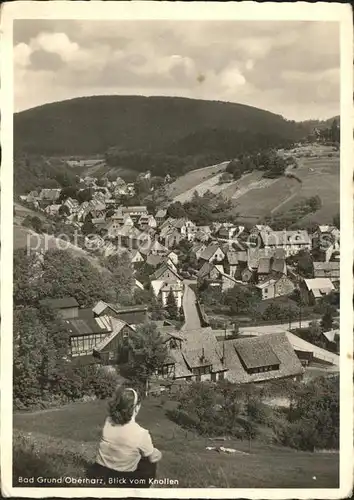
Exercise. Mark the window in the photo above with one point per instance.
(111, 355)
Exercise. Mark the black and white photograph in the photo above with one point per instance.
(179, 222)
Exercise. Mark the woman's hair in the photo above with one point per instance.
(122, 405)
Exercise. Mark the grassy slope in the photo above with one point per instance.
(65, 440)
(320, 176)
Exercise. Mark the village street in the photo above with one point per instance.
(192, 320)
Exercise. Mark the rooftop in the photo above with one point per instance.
(63, 303)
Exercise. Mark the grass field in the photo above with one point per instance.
(183, 188)
(254, 197)
(64, 441)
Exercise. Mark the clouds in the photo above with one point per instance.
(290, 68)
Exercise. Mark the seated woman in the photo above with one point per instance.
(126, 457)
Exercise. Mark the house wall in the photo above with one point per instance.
(284, 286)
(218, 256)
(178, 295)
(84, 344)
(268, 292)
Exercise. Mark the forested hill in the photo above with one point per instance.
(154, 125)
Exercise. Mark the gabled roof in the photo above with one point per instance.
(324, 285)
(63, 303)
(154, 260)
(278, 265)
(201, 348)
(205, 270)
(266, 283)
(117, 327)
(264, 266)
(88, 326)
(161, 270)
(273, 346)
(210, 250)
(332, 335)
(256, 354)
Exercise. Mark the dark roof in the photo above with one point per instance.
(279, 343)
(161, 270)
(63, 303)
(88, 326)
(264, 266)
(256, 353)
(210, 250)
(154, 260)
(278, 265)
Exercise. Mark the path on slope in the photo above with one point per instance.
(192, 320)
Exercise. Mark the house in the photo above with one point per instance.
(156, 249)
(260, 359)
(85, 332)
(230, 232)
(172, 257)
(290, 241)
(211, 272)
(52, 210)
(48, 197)
(332, 340)
(276, 287)
(230, 281)
(254, 255)
(316, 288)
(327, 270)
(67, 307)
(166, 279)
(172, 237)
(94, 242)
(135, 212)
(200, 357)
(326, 242)
(123, 220)
(213, 253)
(147, 221)
(202, 233)
(160, 216)
(231, 263)
(270, 267)
(136, 257)
(198, 249)
(97, 208)
(133, 315)
(72, 205)
(83, 211)
(113, 229)
(110, 350)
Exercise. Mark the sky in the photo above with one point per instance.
(289, 67)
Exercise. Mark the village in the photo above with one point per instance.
(181, 263)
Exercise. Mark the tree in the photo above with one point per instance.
(336, 220)
(304, 262)
(147, 353)
(64, 210)
(171, 305)
(68, 192)
(241, 299)
(84, 195)
(327, 320)
(314, 203)
(314, 332)
(176, 210)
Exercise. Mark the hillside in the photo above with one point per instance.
(170, 125)
(61, 442)
(254, 197)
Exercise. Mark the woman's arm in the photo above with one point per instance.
(148, 450)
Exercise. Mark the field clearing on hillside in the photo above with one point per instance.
(260, 201)
(192, 179)
(67, 438)
(320, 176)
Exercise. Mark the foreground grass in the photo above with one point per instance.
(63, 442)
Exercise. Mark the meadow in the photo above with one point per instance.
(63, 441)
